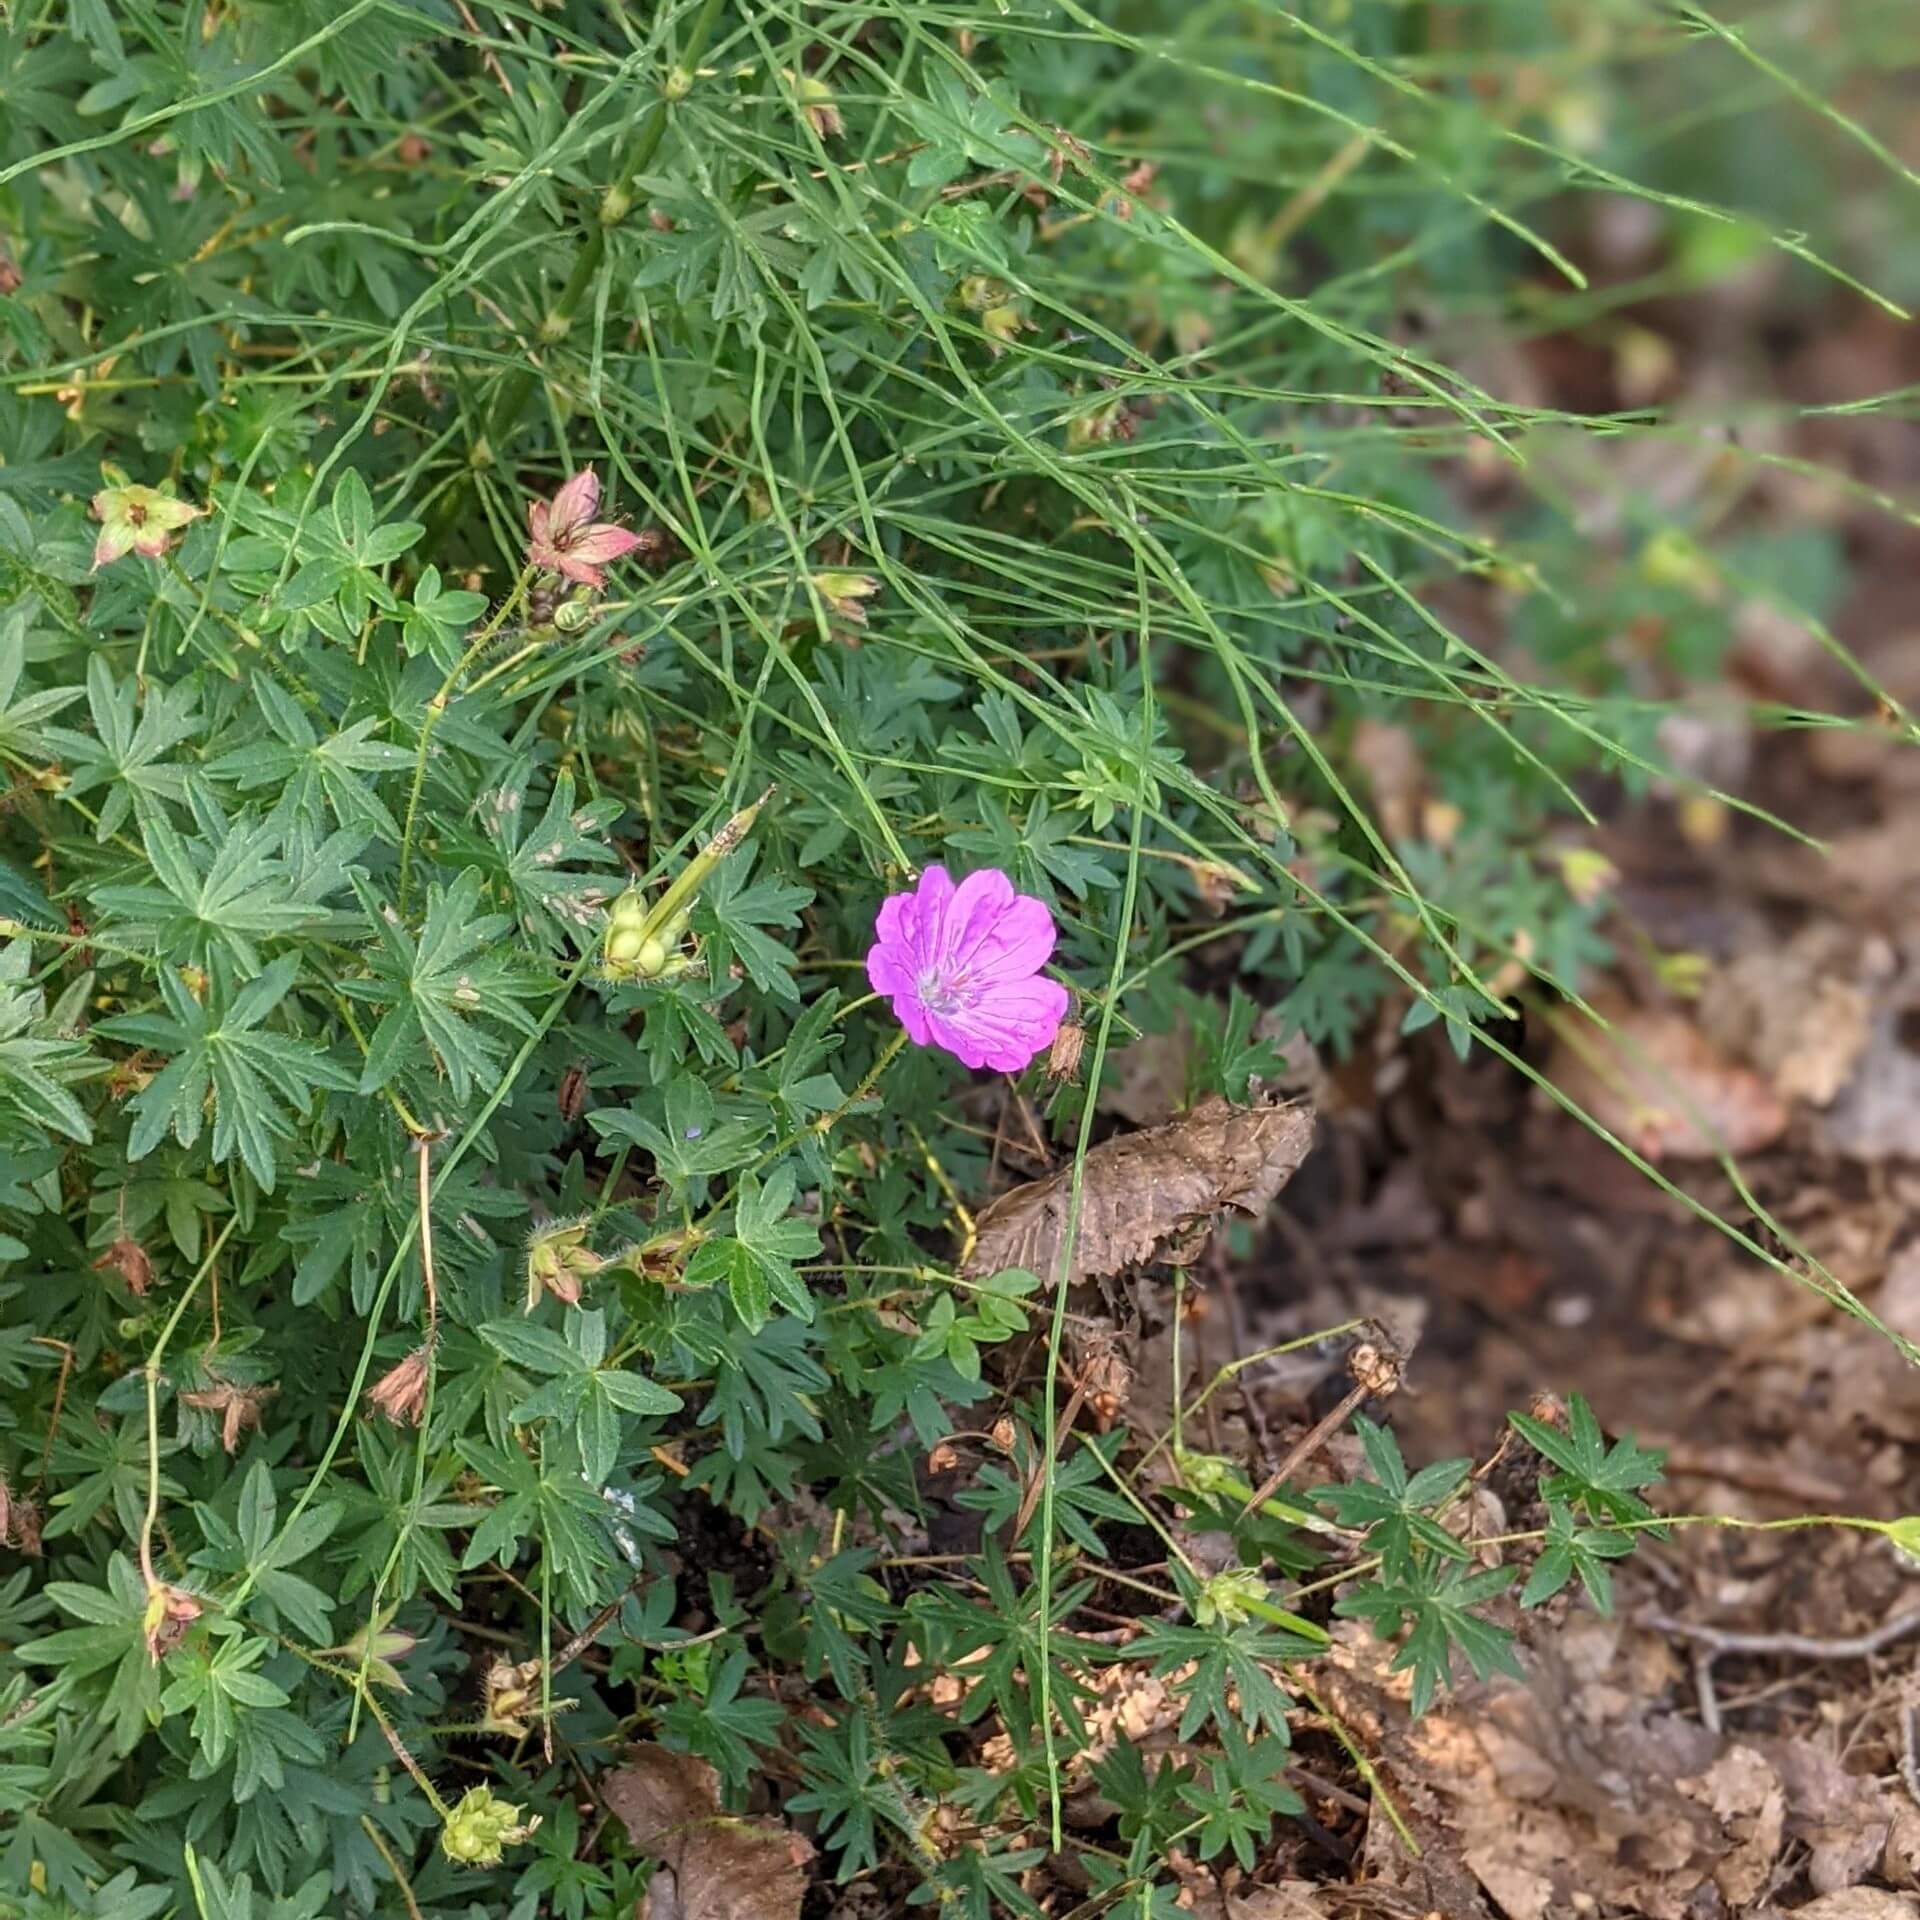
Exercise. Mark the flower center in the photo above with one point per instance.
(944, 993)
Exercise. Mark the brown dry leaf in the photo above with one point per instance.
(1793, 1011)
(1860, 1903)
(1146, 1190)
(1877, 1114)
(1654, 1079)
(713, 1865)
(1843, 1819)
(1530, 1798)
(1395, 775)
(1745, 1795)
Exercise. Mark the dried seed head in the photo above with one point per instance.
(129, 1259)
(1063, 1057)
(238, 1408)
(511, 1688)
(1376, 1368)
(1003, 1433)
(169, 1613)
(401, 1392)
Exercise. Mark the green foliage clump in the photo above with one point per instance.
(479, 1274)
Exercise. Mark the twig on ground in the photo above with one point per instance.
(1806, 1646)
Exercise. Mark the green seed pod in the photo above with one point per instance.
(651, 961)
(625, 943)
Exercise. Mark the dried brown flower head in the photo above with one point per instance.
(131, 1261)
(238, 1408)
(401, 1392)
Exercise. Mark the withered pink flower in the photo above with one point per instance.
(401, 1392)
(565, 538)
(238, 1408)
(170, 1611)
(961, 965)
(137, 520)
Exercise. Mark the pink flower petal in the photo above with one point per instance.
(931, 899)
(575, 504)
(603, 542)
(970, 917)
(914, 1017)
(1018, 944)
(1008, 1027)
(897, 925)
(891, 969)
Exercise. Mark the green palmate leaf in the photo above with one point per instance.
(445, 994)
(755, 1262)
(38, 1064)
(127, 752)
(110, 1639)
(1604, 1481)
(1397, 1510)
(227, 1063)
(220, 895)
(1571, 1548)
(318, 778)
(685, 1130)
(1437, 1603)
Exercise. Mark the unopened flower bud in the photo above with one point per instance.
(843, 593)
(482, 1827)
(1002, 326)
(559, 1261)
(1229, 1597)
(170, 1611)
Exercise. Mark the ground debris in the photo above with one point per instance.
(1581, 1791)
(713, 1865)
(1651, 1077)
(1147, 1194)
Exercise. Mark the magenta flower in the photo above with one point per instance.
(565, 538)
(962, 968)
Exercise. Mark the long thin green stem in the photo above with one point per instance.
(438, 705)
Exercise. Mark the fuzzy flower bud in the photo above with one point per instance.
(1229, 1597)
(843, 593)
(559, 1261)
(375, 1649)
(170, 1611)
(482, 1827)
(816, 102)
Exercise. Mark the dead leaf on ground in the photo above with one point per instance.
(1795, 1012)
(1859, 1903)
(1877, 1114)
(1843, 1819)
(1654, 1079)
(1145, 1191)
(1396, 776)
(1572, 1784)
(713, 1865)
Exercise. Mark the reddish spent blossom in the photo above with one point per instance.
(961, 965)
(170, 1611)
(565, 538)
(401, 1392)
(137, 520)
